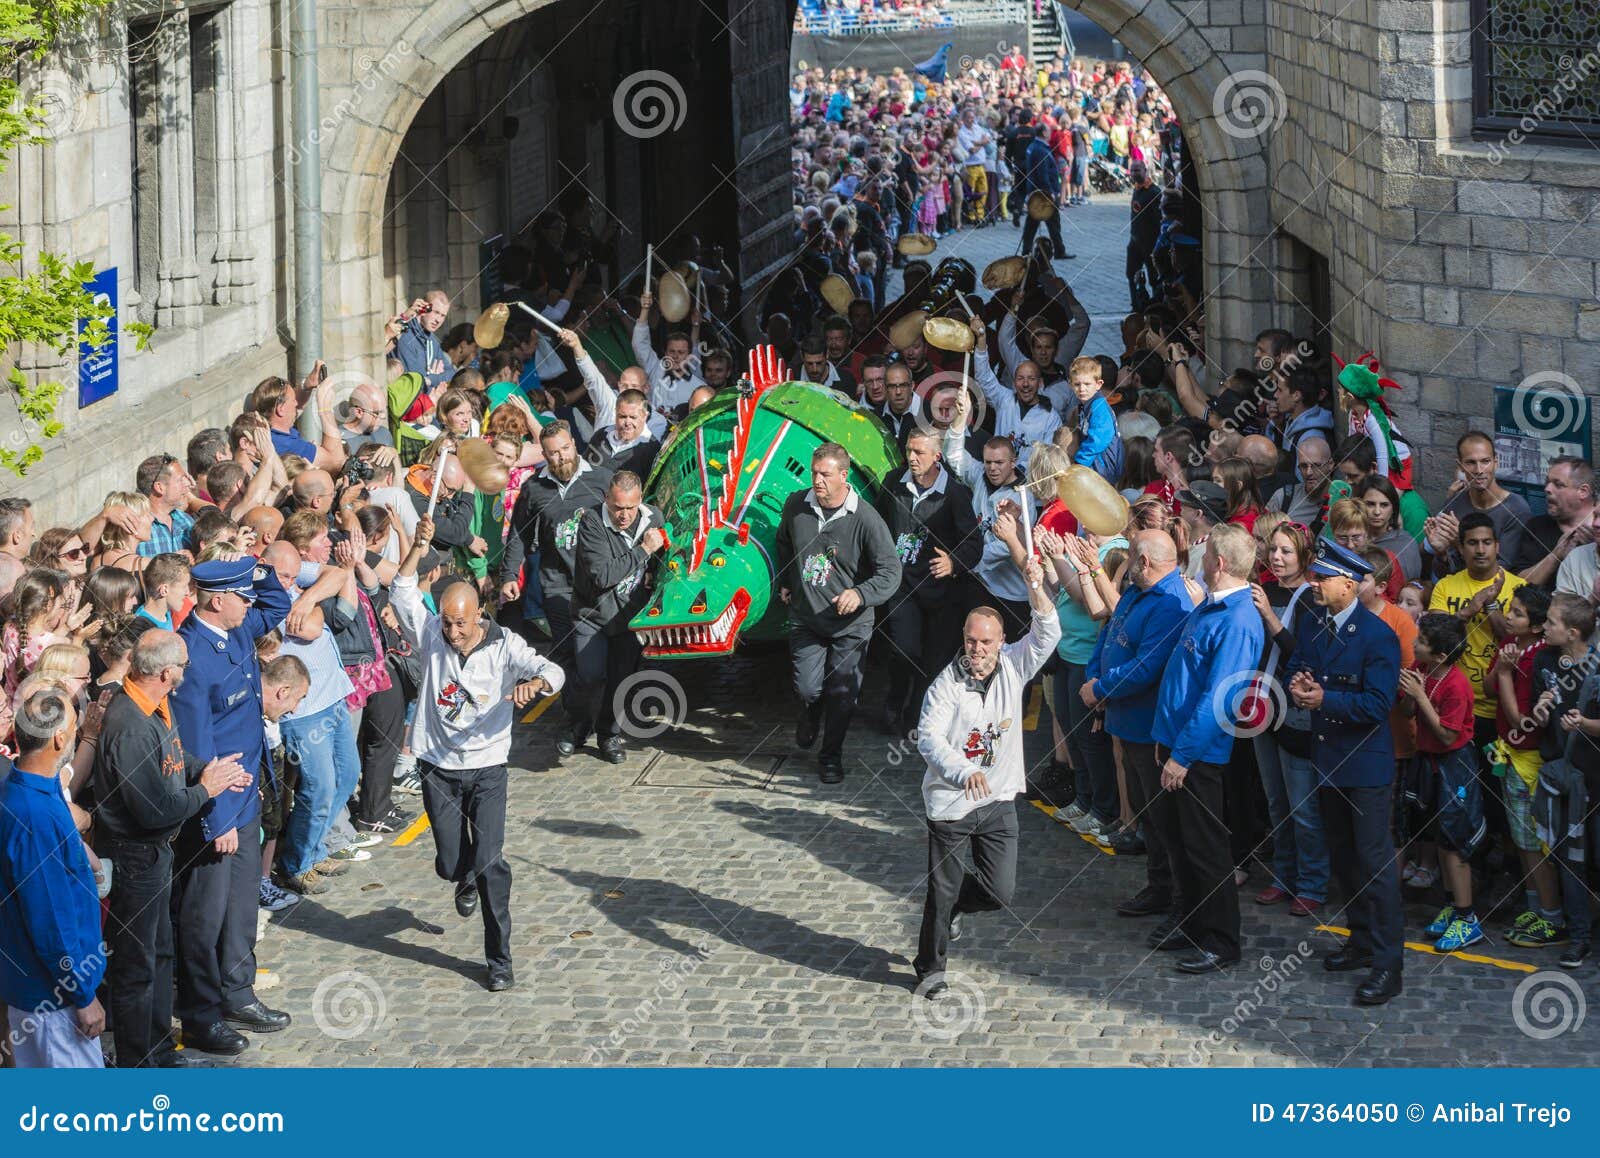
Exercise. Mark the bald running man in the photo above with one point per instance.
(475, 677)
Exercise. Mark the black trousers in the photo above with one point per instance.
(1032, 228)
(1141, 257)
(467, 810)
(827, 675)
(139, 935)
(214, 900)
(563, 649)
(922, 641)
(1190, 821)
(1356, 821)
(382, 731)
(1144, 787)
(991, 832)
(602, 663)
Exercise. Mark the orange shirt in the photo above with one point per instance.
(1404, 726)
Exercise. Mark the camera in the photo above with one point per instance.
(356, 470)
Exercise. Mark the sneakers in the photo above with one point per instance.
(369, 833)
(352, 855)
(331, 868)
(1441, 922)
(1524, 919)
(1085, 824)
(1069, 815)
(1423, 878)
(410, 784)
(1460, 934)
(307, 884)
(273, 899)
(1539, 933)
(1575, 955)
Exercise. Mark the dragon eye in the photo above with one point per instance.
(672, 565)
(719, 559)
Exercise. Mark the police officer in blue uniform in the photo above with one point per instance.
(218, 852)
(1345, 665)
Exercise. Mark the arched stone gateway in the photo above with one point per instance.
(391, 82)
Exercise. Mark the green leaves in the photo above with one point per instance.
(43, 305)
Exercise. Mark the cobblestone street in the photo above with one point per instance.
(710, 903)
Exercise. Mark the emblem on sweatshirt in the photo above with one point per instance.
(567, 532)
(908, 545)
(980, 745)
(454, 700)
(626, 586)
(818, 569)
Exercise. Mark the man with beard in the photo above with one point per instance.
(835, 563)
(929, 514)
(618, 541)
(544, 535)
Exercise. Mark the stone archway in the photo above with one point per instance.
(1182, 54)
(384, 85)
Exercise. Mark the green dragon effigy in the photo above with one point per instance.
(721, 482)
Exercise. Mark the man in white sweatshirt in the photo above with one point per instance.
(475, 676)
(970, 733)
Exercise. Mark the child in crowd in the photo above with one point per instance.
(1564, 676)
(1510, 684)
(1100, 446)
(166, 590)
(1443, 779)
(1413, 600)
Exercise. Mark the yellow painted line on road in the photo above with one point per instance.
(1030, 718)
(540, 708)
(1050, 811)
(413, 830)
(1419, 947)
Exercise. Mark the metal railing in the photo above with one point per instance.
(871, 21)
(1058, 13)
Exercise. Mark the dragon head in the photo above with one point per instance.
(705, 592)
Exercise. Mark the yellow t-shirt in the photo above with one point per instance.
(1452, 593)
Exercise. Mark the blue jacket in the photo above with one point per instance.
(1132, 651)
(418, 350)
(1039, 170)
(1359, 670)
(51, 956)
(1214, 662)
(217, 708)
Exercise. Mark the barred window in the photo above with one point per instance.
(1536, 70)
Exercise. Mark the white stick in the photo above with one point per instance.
(438, 480)
(649, 264)
(1027, 525)
(538, 317)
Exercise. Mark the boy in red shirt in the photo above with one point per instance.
(1443, 780)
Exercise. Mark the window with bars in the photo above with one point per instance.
(1536, 70)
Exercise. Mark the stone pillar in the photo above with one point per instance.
(168, 116)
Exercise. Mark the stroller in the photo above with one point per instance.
(1105, 177)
